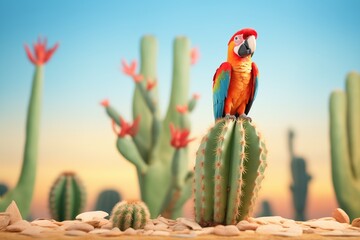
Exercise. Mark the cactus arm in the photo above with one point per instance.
(115, 116)
(148, 51)
(179, 94)
(353, 114)
(22, 193)
(128, 149)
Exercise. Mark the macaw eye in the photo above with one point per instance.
(238, 39)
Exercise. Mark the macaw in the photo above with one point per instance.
(235, 81)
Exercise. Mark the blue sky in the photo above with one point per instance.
(304, 51)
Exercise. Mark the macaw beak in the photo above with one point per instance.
(247, 47)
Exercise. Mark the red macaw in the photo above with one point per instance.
(235, 81)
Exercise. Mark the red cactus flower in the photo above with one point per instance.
(196, 96)
(127, 128)
(41, 54)
(194, 55)
(179, 137)
(105, 103)
(182, 109)
(130, 70)
(150, 84)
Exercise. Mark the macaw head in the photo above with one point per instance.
(242, 43)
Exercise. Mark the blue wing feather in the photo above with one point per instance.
(221, 81)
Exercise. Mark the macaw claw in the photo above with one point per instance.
(244, 116)
(228, 117)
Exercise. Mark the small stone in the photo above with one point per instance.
(149, 226)
(75, 233)
(108, 225)
(80, 226)
(341, 216)
(113, 232)
(130, 231)
(269, 229)
(245, 225)
(205, 231)
(33, 231)
(18, 226)
(88, 216)
(148, 232)
(268, 220)
(231, 230)
(160, 227)
(14, 212)
(325, 224)
(190, 223)
(356, 222)
(179, 227)
(160, 233)
(4, 220)
(44, 223)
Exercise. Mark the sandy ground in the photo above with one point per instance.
(16, 236)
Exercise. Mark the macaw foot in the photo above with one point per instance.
(244, 116)
(228, 116)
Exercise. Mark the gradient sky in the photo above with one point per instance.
(304, 51)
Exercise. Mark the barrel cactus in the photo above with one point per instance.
(229, 168)
(128, 214)
(345, 144)
(107, 200)
(67, 197)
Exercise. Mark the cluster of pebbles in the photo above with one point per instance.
(95, 223)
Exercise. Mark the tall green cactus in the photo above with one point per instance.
(345, 144)
(22, 193)
(107, 200)
(300, 180)
(146, 143)
(67, 197)
(229, 168)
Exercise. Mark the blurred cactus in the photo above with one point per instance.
(345, 144)
(146, 142)
(300, 180)
(265, 209)
(3, 189)
(128, 214)
(229, 169)
(67, 197)
(22, 193)
(107, 200)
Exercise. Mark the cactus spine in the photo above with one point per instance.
(128, 214)
(300, 181)
(23, 192)
(67, 197)
(229, 168)
(107, 200)
(149, 148)
(345, 144)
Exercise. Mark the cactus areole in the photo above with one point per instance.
(229, 168)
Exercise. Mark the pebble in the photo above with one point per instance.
(14, 212)
(190, 223)
(160, 227)
(229, 230)
(33, 231)
(325, 224)
(99, 231)
(4, 220)
(19, 226)
(341, 216)
(245, 225)
(80, 226)
(355, 222)
(88, 216)
(130, 231)
(44, 223)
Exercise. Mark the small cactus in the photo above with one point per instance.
(128, 214)
(107, 200)
(229, 169)
(67, 197)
